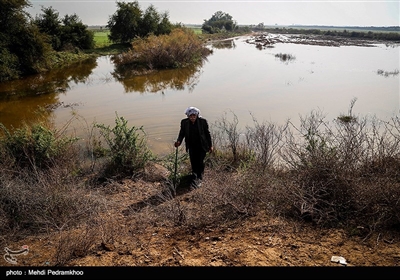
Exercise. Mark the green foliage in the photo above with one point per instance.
(75, 33)
(219, 22)
(34, 146)
(177, 164)
(101, 39)
(149, 21)
(23, 47)
(124, 23)
(127, 150)
(26, 45)
(66, 33)
(164, 25)
(129, 22)
(178, 49)
(8, 65)
(50, 24)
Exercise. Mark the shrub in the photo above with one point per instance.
(126, 149)
(34, 146)
(335, 170)
(180, 48)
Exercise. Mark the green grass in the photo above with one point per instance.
(101, 39)
(197, 30)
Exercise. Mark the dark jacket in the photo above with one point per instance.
(204, 132)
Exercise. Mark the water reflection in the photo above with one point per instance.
(33, 98)
(176, 79)
(224, 44)
(55, 81)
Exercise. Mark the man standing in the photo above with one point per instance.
(197, 136)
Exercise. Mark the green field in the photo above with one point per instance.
(101, 39)
(101, 36)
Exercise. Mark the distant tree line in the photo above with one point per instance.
(358, 28)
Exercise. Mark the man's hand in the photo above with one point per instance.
(177, 144)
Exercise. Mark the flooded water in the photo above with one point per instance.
(236, 79)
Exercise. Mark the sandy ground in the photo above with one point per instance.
(257, 241)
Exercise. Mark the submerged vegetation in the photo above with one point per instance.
(284, 57)
(388, 73)
(384, 34)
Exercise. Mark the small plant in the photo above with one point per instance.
(346, 119)
(35, 146)
(349, 118)
(178, 166)
(126, 147)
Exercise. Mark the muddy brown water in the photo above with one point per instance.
(239, 79)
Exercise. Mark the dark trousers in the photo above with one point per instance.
(197, 161)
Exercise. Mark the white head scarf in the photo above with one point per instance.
(192, 110)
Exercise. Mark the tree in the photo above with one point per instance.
(65, 33)
(149, 21)
(23, 49)
(219, 22)
(124, 23)
(75, 34)
(129, 22)
(164, 26)
(50, 24)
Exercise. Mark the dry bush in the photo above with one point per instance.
(230, 149)
(265, 141)
(320, 188)
(161, 208)
(220, 200)
(377, 203)
(333, 166)
(180, 48)
(74, 244)
(231, 196)
(172, 212)
(50, 200)
(101, 231)
(344, 173)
